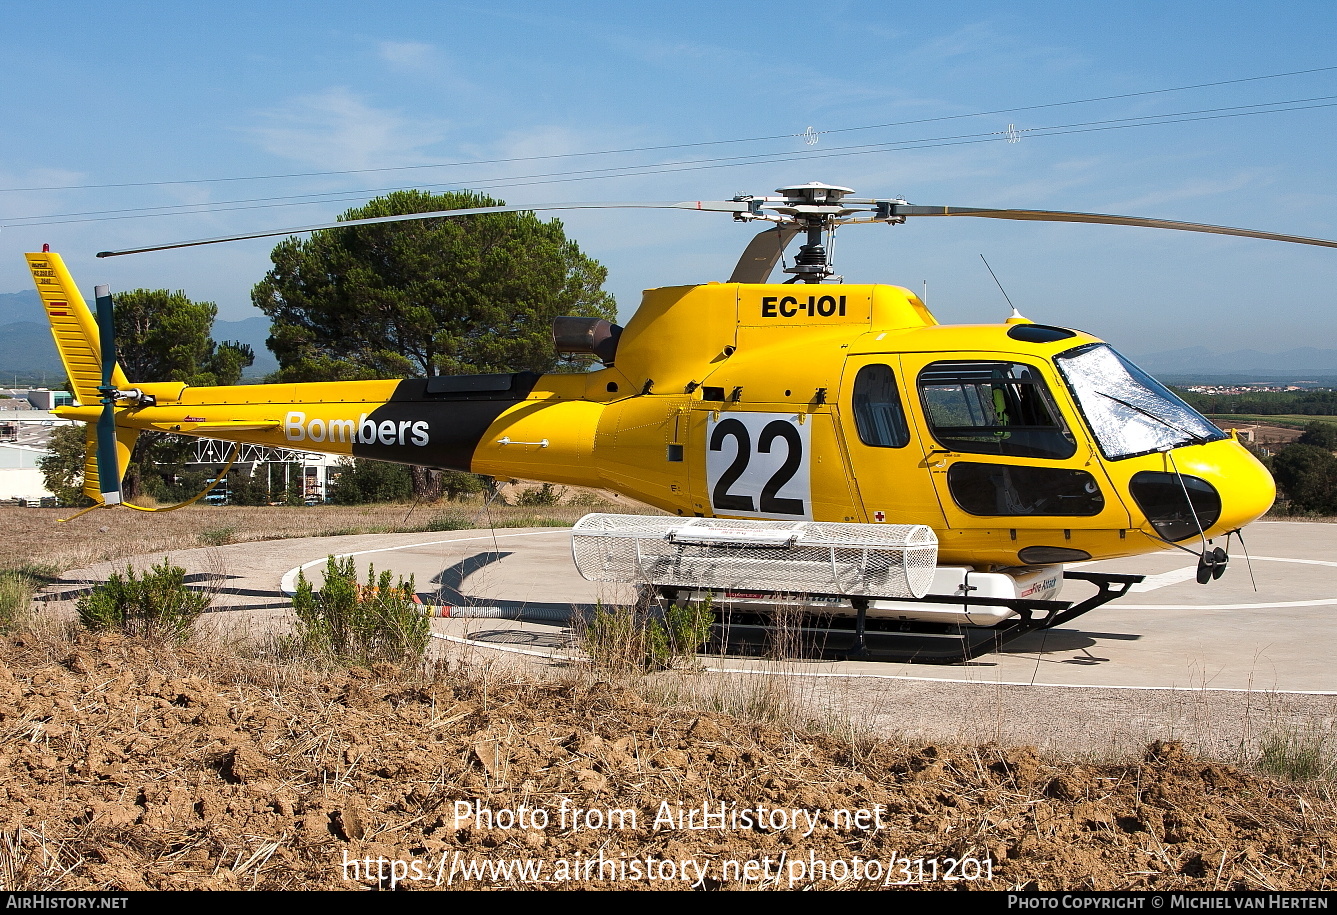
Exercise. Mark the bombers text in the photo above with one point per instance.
(363, 431)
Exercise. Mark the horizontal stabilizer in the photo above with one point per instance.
(194, 428)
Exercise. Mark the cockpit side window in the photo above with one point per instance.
(994, 408)
(878, 414)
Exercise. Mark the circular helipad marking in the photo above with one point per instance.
(288, 584)
(1274, 605)
(834, 671)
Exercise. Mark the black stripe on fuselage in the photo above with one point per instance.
(438, 422)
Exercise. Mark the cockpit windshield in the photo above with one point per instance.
(1129, 412)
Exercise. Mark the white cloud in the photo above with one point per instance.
(981, 45)
(665, 52)
(408, 55)
(16, 202)
(339, 129)
(547, 141)
(1194, 189)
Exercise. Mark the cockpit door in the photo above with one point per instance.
(1001, 447)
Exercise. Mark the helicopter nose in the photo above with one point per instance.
(1226, 485)
(1247, 489)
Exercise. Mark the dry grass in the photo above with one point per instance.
(37, 536)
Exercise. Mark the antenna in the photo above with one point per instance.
(1015, 314)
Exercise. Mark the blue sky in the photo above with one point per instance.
(136, 93)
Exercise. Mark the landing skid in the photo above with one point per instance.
(953, 643)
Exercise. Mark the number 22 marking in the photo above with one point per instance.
(722, 496)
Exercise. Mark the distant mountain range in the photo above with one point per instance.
(1197, 363)
(21, 306)
(26, 348)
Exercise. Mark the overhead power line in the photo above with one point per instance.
(355, 196)
(808, 134)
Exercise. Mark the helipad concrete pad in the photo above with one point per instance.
(1170, 633)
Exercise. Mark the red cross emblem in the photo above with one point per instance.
(879, 517)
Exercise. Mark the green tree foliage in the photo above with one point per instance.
(63, 465)
(245, 489)
(1320, 435)
(456, 485)
(419, 298)
(1264, 403)
(164, 336)
(1307, 475)
(361, 481)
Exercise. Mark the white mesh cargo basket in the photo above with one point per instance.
(797, 557)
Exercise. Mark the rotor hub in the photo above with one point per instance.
(814, 193)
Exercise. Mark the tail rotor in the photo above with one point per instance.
(108, 466)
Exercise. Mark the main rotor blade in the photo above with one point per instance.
(715, 206)
(763, 253)
(900, 209)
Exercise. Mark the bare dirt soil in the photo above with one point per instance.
(1263, 433)
(127, 764)
(133, 765)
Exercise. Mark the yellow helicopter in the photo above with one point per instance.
(827, 441)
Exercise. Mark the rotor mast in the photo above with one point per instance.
(812, 208)
(815, 207)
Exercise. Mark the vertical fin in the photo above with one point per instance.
(125, 444)
(78, 341)
(92, 489)
(72, 325)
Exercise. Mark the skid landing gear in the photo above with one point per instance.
(859, 650)
(909, 641)
(960, 643)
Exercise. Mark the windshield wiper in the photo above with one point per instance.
(1197, 439)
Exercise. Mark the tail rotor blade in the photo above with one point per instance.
(108, 467)
(106, 333)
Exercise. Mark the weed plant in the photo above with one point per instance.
(631, 640)
(445, 522)
(18, 585)
(544, 495)
(218, 536)
(354, 624)
(16, 593)
(155, 604)
(1296, 754)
